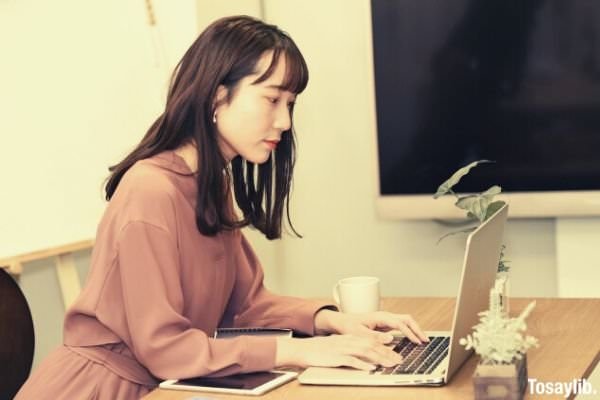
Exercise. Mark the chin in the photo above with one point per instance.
(258, 159)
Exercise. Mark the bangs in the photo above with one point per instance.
(296, 71)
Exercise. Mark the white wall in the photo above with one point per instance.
(81, 82)
(577, 257)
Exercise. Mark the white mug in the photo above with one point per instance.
(358, 294)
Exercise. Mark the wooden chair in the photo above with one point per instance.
(16, 337)
(16, 325)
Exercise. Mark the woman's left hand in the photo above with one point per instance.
(374, 324)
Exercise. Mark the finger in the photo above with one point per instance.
(399, 322)
(409, 333)
(367, 332)
(375, 352)
(394, 357)
(354, 362)
(383, 355)
(385, 321)
(385, 338)
(390, 321)
(412, 324)
(380, 337)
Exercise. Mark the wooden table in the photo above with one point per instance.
(568, 331)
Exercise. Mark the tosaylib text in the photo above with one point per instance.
(566, 389)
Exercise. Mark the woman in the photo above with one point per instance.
(170, 264)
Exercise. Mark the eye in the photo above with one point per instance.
(273, 100)
(291, 105)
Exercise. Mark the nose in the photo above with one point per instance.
(283, 119)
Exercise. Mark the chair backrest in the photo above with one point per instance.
(16, 337)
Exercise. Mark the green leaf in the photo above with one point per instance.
(491, 192)
(492, 208)
(468, 230)
(464, 202)
(446, 187)
(475, 204)
(502, 267)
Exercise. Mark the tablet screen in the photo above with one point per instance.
(241, 381)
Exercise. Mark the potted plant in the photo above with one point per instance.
(498, 340)
(479, 207)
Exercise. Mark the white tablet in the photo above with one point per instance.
(255, 383)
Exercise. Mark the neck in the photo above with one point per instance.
(189, 153)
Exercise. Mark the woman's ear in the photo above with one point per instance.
(220, 96)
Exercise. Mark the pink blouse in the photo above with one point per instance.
(159, 289)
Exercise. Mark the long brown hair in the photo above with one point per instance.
(227, 51)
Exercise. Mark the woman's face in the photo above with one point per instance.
(252, 123)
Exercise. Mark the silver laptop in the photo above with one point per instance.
(434, 363)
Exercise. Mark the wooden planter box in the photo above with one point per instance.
(496, 382)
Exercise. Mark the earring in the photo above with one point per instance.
(214, 117)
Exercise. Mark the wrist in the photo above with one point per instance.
(286, 353)
(325, 321)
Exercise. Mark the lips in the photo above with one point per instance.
(272, 144)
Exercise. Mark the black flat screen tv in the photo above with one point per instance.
(513, 81)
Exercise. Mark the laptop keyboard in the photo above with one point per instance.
(418, 359)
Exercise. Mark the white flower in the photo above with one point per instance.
(497, 338)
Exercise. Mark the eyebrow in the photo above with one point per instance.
(278, 87)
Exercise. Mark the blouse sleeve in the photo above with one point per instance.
(160, 336)
(253, 305)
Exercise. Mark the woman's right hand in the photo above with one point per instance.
(335, 351)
